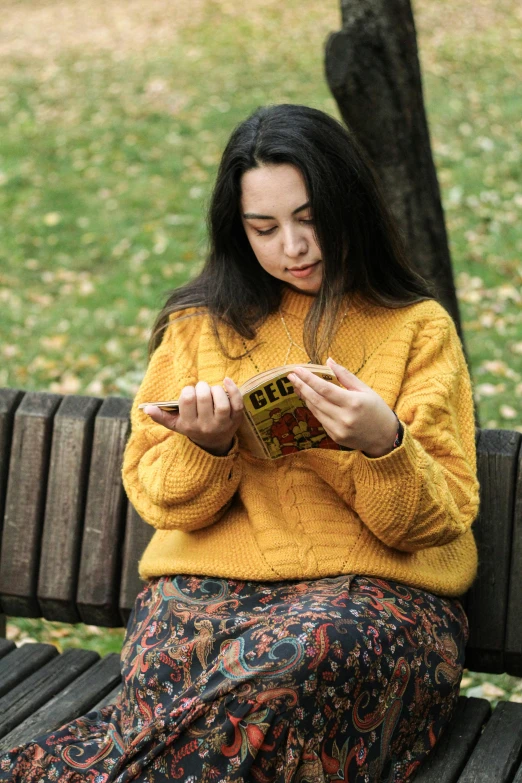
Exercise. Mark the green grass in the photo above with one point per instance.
(102, 640)
(109, 148)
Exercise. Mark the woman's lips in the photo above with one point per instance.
(304, 271)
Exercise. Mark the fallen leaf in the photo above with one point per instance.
(507, 412)
(52, 218)
(489, 389)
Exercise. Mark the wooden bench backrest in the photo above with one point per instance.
(71, 542)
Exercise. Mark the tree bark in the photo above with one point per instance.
(373, 71)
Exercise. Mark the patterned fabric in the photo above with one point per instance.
(340, 679)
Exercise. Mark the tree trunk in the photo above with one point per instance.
(373, 71)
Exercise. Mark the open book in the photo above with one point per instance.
(276, 420)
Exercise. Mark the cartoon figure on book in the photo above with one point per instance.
(299, 618)
(291, 432)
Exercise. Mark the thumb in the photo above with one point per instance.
(345, 377)
(162, 417)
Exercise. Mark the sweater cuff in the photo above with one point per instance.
(205, 468)
(373, 471)
(233, 450)
(392, 480)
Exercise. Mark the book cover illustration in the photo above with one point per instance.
(282, 422)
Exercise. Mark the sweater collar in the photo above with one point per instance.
(296, 303)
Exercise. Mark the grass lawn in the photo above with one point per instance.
(112, 127)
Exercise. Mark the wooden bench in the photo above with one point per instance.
(69, 551)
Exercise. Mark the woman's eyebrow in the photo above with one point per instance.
(254, 216)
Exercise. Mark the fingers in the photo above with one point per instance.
(188, 408)
(221, 403)
(344, 376)
(315, 390)
(235, 398)
(202, 404)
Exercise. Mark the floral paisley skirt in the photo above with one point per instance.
(346, 678)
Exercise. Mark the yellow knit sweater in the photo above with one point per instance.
(406, 516)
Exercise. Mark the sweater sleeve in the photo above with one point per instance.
(170, 481)
(425, 493)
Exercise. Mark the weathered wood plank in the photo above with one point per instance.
(137, 536)
(487, 600)
(513, 652)
(9, 402)
(498, 753)
(100, 568)
(76, 699)
(23, 661)
(454, 748)
(65, 507)
(41, 686)
(110, 698)
(518, 776)
(6, 646)
(25, 502)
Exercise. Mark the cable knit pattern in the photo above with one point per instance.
(406, 516)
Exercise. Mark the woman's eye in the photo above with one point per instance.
(265, 232)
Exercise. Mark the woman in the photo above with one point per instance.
(299, 619)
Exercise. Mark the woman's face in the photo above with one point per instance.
(279, 225)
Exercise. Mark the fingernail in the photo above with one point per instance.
(149, 409)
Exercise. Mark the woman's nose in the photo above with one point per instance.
(295, 243)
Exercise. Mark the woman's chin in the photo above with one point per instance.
(306, 285)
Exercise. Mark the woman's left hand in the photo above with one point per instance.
(354, 416)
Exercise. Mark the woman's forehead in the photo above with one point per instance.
(269, 186)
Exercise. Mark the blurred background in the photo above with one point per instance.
(113, 116)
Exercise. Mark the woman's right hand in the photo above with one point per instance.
(208, 415)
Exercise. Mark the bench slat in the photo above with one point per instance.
(65, 507)
(9, 402)
(25, 501)
(513, 654)
(41, 686)
(20, 663)
(497, 454)
(137, 536)
(6, 646)
(518, 776)
(455, 746)
(103, 533)
(110, 698)
(75, 700)
(498, 752)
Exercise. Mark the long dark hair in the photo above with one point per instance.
(361, 247)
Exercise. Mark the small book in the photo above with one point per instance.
(276, 421)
